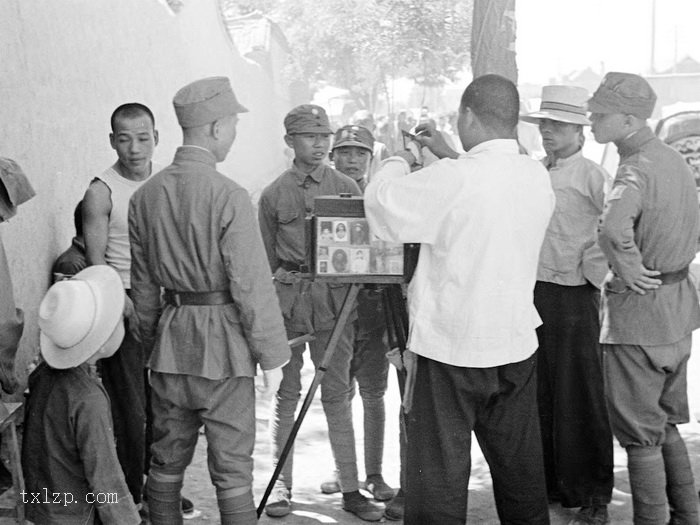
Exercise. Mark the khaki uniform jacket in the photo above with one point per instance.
(284, 205)
(651, 218)
(193, 230)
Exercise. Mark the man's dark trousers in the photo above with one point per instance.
(499, 404)
(576, 435)
(124, 379)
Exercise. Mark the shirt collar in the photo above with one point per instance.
(497, 145)
(561, 163)
(632, 144)
(195, 153)
(316, 174)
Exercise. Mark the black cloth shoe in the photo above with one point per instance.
(394, 509)
(593, 515)
(188, 510)
(378, 488)
(362, 507)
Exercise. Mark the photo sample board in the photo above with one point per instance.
(344, 248)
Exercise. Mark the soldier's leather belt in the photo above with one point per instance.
(174, 298)
(293, 267)
(673, 277)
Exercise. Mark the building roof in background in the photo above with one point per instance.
(254, 33)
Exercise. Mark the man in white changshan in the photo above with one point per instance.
(480, 218)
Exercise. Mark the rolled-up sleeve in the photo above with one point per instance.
(251, 285)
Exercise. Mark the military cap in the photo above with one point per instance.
(205, 101)
(623, 93)
(15, 188)
(307, 118)
(353, 135)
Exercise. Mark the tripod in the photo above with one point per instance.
(397, 328)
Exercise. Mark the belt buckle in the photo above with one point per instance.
(176, 299)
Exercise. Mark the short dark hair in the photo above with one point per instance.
(494, 100)
(131, 110)
(78, 219)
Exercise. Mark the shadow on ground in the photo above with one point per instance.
(313, 464)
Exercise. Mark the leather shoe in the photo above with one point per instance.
(378, 488)
(361, 507)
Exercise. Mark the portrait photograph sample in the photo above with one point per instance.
(340, 232)
(296, 262)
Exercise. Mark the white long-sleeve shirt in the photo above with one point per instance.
(570, 253)
(480, 220)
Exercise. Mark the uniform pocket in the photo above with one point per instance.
(287, 216)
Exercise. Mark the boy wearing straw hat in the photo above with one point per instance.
(576, 436)
(69, 456)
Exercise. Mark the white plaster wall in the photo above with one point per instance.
(64, 66)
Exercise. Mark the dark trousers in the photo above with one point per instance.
(499, 404)
(576, 434)
(123, 378)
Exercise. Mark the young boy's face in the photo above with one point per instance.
(309, 148)
(353, 161)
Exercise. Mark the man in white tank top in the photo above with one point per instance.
(105, 208)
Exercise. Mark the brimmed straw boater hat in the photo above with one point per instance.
(78, 316)
(561, 103)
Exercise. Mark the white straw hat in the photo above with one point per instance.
(561, 103)
(78, 316)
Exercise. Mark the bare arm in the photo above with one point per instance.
(97, 205)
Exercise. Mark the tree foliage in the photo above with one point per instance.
(360, 44)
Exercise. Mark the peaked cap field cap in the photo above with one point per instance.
(353, 135)
(307, 118)
(15, 188)
(624, 93)
(563, 104)
(206, 100)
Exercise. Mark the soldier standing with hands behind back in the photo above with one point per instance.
(648, 232)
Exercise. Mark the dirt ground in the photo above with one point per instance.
(313, 464)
